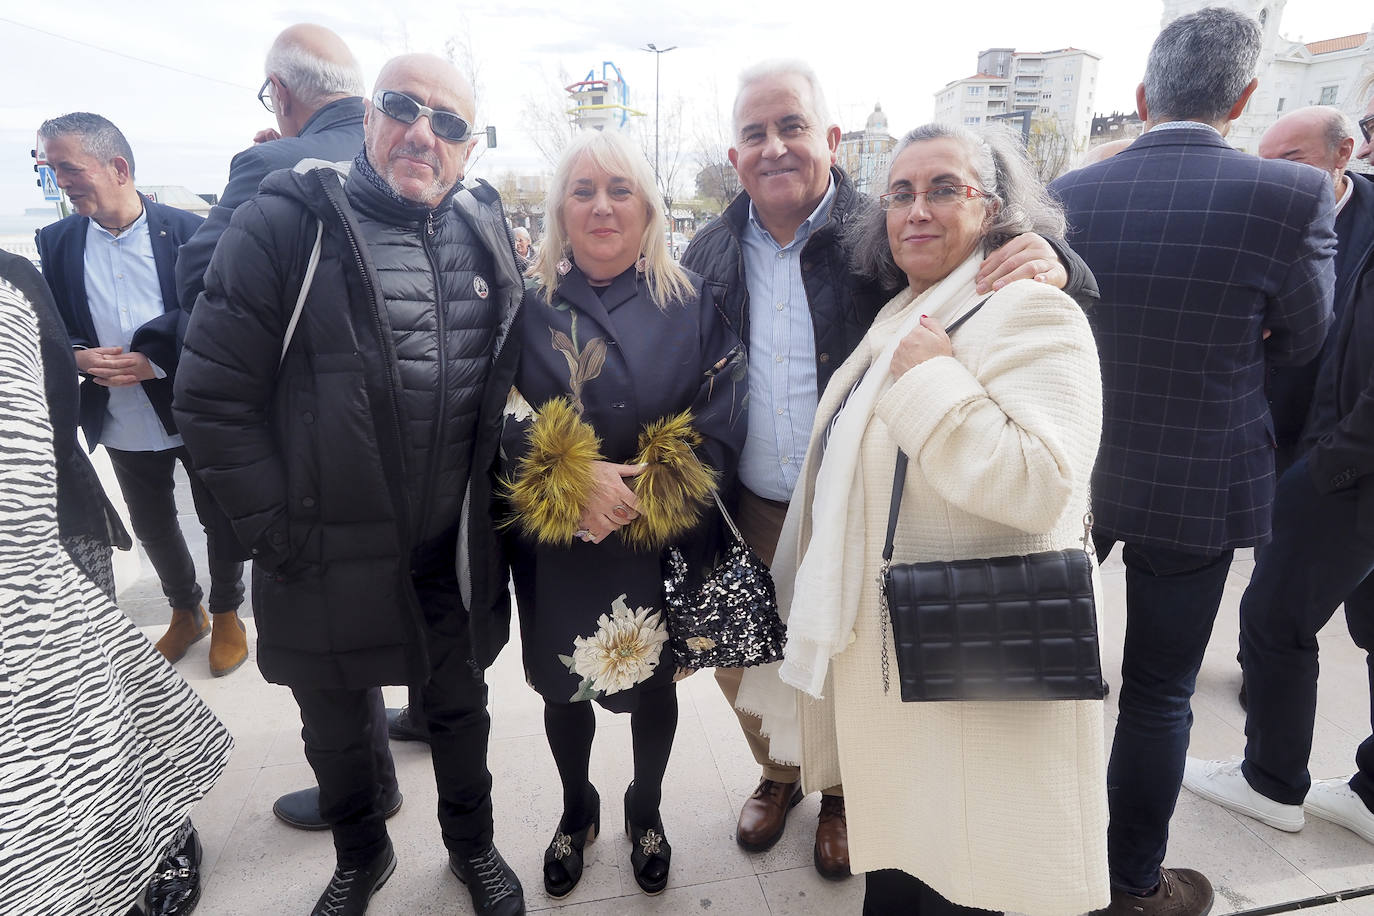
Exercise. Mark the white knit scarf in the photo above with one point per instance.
(821, 600)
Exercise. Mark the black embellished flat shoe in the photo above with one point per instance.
(175, 887)
(650, 853)
(563, 859)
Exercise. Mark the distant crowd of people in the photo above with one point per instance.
(396, 407)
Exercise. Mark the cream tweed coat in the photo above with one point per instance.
(1001, 806)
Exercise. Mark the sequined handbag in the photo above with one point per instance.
(1002, 628)
(731, 619)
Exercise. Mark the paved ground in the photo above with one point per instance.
(256, 865)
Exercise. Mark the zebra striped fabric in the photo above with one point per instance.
(104, 749)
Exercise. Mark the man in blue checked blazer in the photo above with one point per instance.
(1210, 262)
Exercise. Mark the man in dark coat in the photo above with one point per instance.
(314, 87)
(343, 380)
(791, 295)
(1322, 554)
(110, 267)
(1210, 262)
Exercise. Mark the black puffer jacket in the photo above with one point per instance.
(314, 461)
(843, 304)
(436, 280)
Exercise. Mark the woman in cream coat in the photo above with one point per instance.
(994, 805)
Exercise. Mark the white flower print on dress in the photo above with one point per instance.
(517, 408)
(623, 652)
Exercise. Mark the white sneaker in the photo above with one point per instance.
(1333, 800)
(1222, 782)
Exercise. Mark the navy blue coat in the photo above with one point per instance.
(1340, 432)
(62, 248)
(1197, 249)
(1291, 388)
(334, 133)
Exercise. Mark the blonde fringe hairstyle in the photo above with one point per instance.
(615, 155)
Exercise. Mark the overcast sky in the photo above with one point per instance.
(179, 78)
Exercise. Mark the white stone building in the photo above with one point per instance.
(1052, 85)
(865, 154)
(1293, 74)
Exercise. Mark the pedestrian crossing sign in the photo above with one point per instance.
(47, 180)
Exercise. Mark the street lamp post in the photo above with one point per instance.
(658, 53)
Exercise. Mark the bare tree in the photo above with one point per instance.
(716, 181)
(458, 48)
(1050, 147)
(545, 118)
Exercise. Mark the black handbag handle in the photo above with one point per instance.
(899, 475)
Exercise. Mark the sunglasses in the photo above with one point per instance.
(445, 124)
(1367, 127)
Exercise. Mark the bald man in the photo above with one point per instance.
(1320, 137)
(1322, 552)
(351, 436)
(314, 87)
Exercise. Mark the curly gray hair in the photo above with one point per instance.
(1017, 202)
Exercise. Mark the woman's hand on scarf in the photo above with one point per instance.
(612, 505)
(925, 341)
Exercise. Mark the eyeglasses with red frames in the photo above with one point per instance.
(945, 195)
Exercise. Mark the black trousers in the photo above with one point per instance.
(1320, 557)
(149, 487)
(1172, 597)
(892, 892)
(341, 732)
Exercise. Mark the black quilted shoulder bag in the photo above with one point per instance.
(999, 628)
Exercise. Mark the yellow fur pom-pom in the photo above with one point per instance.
(673, 488)
(553, 482)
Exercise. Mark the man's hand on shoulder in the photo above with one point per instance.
(1026, 257)
(266, 135)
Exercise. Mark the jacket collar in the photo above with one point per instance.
(736, 215)
(575, 288)
(368, 192)
(336, 113)
(1359, 240)
(1179, 137)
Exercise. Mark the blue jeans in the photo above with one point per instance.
(1321, 556)
(1172, 598)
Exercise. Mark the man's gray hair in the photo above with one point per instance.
(313, 80)
(1017, 201)
(1336, 127)
(100, 139)
(1200, 64)
(775, 68)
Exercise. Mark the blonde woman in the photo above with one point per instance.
(628, 402)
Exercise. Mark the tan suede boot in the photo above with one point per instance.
(228, 643)
(186, 628)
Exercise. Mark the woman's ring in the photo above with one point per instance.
(621, 512)
(582, 534)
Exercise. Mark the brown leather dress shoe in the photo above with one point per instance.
(186, 628)
(765, 814)
(1181, 892)
(832, 840)
(228, 643)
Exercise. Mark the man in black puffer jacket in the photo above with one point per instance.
(351, 442)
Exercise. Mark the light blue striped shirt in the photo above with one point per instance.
(782, 356)
(123, 294)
